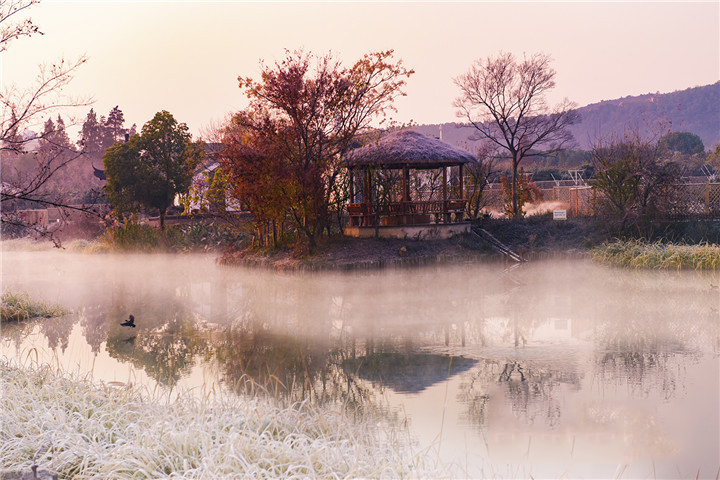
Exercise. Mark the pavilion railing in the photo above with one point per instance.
(406, 213)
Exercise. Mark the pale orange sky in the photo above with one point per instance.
(185, 57)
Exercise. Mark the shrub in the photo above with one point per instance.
(632, 180)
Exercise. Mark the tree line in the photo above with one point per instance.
(47, 168)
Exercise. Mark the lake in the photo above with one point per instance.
(553, 369)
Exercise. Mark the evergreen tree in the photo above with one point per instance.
(151, 168)
(91, 136)
(60, 136)
(114, 130)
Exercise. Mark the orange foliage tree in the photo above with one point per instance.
(525, 192)
(282, 153)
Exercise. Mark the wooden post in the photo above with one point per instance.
(444, 183)
(445, 213)
(352, 185)
(461, 182)
(406, 184)
(366, 185)
(707, 197)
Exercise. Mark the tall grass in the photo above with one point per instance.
(658, 255)
(135, 236)
(88, 430)
(19, 306)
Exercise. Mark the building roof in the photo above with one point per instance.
(407, 148)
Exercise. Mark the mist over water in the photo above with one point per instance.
(554, 368)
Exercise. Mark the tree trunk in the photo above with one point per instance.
(162, 219)
(514, 187)
(310, 236)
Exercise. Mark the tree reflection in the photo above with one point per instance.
(165, 356)
(95, 327)
(635, 357)
(166, 343)
(537, 395)
(647, 340)
(57, 330)
(16, 332)
(535, 390)
(288, 368)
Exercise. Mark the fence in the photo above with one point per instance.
(574, 198)
(697, 199)
(689, 199)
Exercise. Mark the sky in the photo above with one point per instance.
(185, 56)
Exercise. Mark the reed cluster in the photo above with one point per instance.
(658, 255)
(81, 429)
(19, 306)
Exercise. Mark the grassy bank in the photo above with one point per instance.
(19, 306)
(133, 236)
(82, 429)
(658, 255)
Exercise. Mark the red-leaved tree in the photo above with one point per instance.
(282, 153)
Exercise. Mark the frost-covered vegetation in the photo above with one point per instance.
(660, 255)
(19, 306)
(80, 429)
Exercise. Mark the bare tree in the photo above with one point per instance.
(26, 108)
(504, 99)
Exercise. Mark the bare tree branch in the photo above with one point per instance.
(504, 100)
(9, 31)
(24, 109)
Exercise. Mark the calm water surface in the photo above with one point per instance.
(555, 369)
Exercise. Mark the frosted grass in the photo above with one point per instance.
(88, 430)
(16, 307)
(658, 255)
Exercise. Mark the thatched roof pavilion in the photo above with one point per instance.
(407, 148)
(404, 150)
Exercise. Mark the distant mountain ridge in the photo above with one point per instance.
(695, 110)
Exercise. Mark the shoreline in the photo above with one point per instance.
(533, 238)
(353, 254)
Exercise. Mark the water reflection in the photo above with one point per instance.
(567, 362)
(280, 365)
(408, 371)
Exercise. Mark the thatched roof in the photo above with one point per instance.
(407, 147)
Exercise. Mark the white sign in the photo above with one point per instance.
(559, 214)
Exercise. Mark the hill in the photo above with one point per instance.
(695, 110)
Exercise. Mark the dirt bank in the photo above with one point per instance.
(531, 239)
